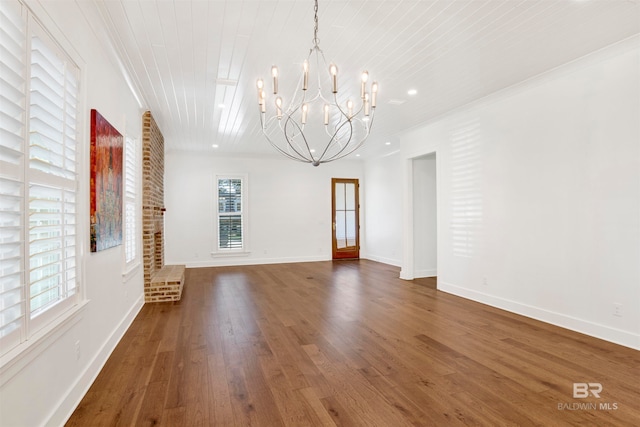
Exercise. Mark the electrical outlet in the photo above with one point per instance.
(617, 309)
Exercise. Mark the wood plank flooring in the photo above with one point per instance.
(349, 344)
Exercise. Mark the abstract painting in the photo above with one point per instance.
(106, 184)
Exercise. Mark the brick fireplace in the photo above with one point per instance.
(161, 282)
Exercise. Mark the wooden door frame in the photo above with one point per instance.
(335, 253)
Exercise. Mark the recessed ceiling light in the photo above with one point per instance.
(357, 155)
(387, 143)
(313, 150)
(215, 146)
(412, 92)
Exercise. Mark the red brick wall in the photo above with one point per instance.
(152, 198)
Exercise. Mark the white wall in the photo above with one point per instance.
(289, 208)
(557, 184)
(383, 217)
(45, 382)
(424, 216)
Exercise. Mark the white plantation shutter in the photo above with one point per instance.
(52, 247)
(12, 307)
(130, 184)
(38, 182)
(52, 179)
(52, 124)
(13, 68)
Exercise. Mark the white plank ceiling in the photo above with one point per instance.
(195, 63)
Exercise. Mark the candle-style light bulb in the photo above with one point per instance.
(274, 73)
(350, 108)
(365, 77)
(305, 107)
(326, 114)
(305, 79)
(279, 107)
(260, 85)
(374, 94)
(366, 104)
(333, 70)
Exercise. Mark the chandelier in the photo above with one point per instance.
(317, 124)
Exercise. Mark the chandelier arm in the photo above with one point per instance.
(337, 156)
(284, 153)
(299, 157)
(355, 147)
(293, 146)
(289, 115)
(335, 102)
(333, 138)
(343, 147)
(371, 117)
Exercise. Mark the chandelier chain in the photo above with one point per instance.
(315, 27)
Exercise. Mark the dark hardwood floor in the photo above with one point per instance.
(348, 343)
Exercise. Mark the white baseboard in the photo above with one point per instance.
(384, 260)
(234, 261)
(70, 401)
(426, 273)
(229, 261)
(607, 333)
(406, 275)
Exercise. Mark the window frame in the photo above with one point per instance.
(36, 327)
(244, 249)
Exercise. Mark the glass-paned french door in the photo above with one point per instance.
(345, 223)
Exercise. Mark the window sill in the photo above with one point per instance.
(21, 356)
(230, 253)
(130, 271)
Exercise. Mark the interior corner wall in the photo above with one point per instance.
(288, 208)
(43, 385)
(553, 232)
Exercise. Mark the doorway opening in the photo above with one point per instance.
(425, 208)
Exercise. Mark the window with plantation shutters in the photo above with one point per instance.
(231, 207)
(130, 184)
(38, 178)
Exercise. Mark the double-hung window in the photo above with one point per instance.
(38, 178)
(130, 204)
(231, 213)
